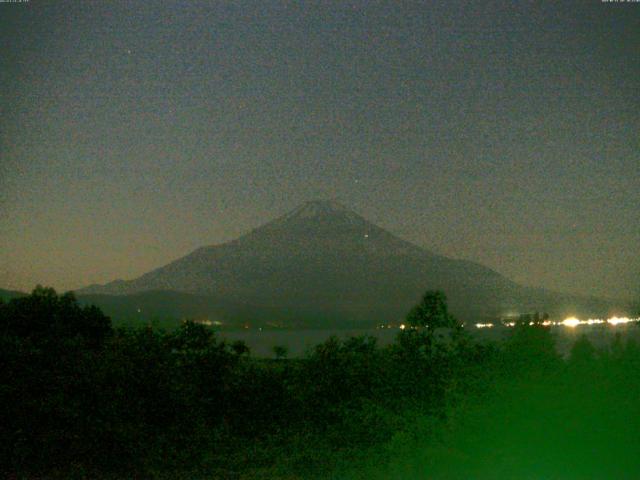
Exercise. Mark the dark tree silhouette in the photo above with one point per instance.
(45, 316)
(432, 312)
(582, 352)
(239, 347)
(82, 401)
(280, 351)
(192, 335)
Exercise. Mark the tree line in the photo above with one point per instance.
(84, 400)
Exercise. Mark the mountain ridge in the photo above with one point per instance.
(321, 259)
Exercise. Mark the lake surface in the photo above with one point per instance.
(298, 342)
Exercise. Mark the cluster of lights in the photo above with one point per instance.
(574, 322)
(571, 322)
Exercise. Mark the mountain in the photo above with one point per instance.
(323, 264)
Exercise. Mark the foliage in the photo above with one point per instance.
(81, 399)
(582, 353)
(44, 316)
(432, 312)
(530, 350)
(280, 351)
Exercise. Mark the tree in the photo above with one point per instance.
(45, 316)
(50, 351)
(192, 336)
(530, 349)
(240, 348)
(432, 312)
(280, 351)
(525, 319)
(582, 353)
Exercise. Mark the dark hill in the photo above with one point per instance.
(7, 295)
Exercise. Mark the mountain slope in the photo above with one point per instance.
(323, 263)
(7, 295)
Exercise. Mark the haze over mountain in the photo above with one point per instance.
(323, 264)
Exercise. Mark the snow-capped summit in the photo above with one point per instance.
(316, 208)
(321, 209)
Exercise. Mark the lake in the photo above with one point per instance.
(299, 342)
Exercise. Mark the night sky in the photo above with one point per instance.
(503, 132)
